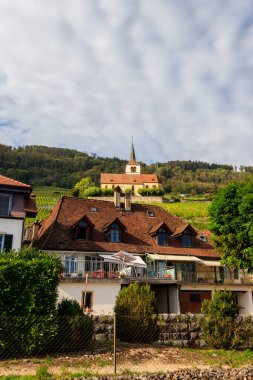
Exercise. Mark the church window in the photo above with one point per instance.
(133, 169)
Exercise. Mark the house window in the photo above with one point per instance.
(82, 230)
(1, 243)
(5, 203)
(187, 239)
(70, 264)
(162, 237)
(6, 242)
(87, 301)
(150, 214)
(115, 233)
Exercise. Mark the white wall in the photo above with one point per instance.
(104, 294)
(245, 301)
(174, 300)
(13, 227)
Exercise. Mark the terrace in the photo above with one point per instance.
(183, 272)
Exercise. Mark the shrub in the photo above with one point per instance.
(75, 329)
(28, 282)
(219, 325)
(136, 316)
(151, 192)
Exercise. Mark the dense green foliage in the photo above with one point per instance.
(231, 216)
(75, 329)
(136, 316)
(219, 325)
(151, 192)
(28, 283)
(45, 166)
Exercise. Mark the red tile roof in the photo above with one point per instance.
(56, 232)
(5, 181)
(131, 179)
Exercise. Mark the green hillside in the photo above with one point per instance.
(59, 167)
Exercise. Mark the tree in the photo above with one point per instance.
(84, 184)
(136, 316)
(231, 215)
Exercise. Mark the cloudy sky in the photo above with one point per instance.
(88, 74)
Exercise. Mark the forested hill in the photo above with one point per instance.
(45, 166)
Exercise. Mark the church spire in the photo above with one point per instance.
(132, 160)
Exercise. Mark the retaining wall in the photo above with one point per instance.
(181, 330)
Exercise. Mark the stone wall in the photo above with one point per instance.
(180, 330)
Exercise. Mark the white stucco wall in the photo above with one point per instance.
(104, 294)
(245, 302)
(174, 300)
(13, 227)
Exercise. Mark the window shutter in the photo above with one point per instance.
(8, 242)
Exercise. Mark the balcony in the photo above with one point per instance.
(79, 269)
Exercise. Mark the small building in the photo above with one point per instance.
(132, 180)
(16, 203)
(107, 245)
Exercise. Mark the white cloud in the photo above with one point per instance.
(89, 74)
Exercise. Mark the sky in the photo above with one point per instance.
(177, 75)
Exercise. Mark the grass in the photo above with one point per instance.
(46, 199)
(195, 213)
(212, 357)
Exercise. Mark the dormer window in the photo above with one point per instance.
(82, 230)
(187, 238)
(115, 233)
(150, 213)
(162, 237)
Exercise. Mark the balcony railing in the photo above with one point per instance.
(98, 270)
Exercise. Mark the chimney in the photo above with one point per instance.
(128, 202)
(117, 194)
(35, 231)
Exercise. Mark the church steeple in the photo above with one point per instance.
(133, 167)
(132, 160)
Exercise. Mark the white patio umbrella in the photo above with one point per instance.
(124, 256)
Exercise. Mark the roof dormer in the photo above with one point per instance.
(114, 231)
(161, 232)
(186, 233)
(83, 228)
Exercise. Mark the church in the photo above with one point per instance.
(132, 180)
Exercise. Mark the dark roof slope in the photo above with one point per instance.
(5, 181)
(56, 233)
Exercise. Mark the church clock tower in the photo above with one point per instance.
(133, 167)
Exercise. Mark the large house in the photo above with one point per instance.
(132, 180)
(16, 203)
(107, 245)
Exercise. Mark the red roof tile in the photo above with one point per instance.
(5, 181)
(56, 232)
(137, 179)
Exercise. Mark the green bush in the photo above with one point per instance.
(75, 329)
(136, 314)
(157, 191)
(28, 282)
(219, 325)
